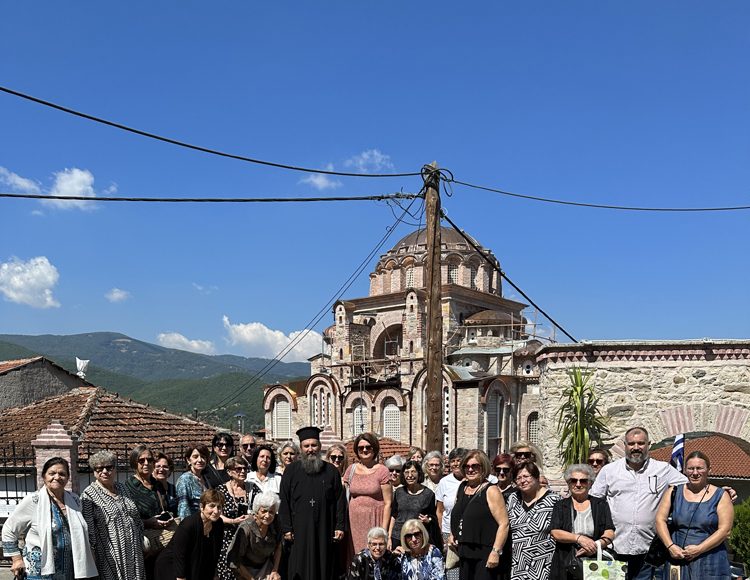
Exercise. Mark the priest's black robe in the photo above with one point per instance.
(313, 506)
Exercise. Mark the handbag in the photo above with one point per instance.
(156, 539)
(658, 553)
(604, 569)
(574, 566)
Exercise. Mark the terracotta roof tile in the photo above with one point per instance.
(9, 365)
(730, 457)
(103, 420)
(388, 448)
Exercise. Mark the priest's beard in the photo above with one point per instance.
(312, 463)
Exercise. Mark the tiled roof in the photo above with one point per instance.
(9, 365)
(730, 457)
(103, 420)
(388, 448)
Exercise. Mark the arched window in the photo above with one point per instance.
(391, 419)
(360, 418)
(473, 277)
(494, 422)
(452, 273)
(532, 428)
(341, 354)
(282, 418)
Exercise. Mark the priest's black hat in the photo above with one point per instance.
(308, 433)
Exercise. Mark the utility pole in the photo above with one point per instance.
(434, 355)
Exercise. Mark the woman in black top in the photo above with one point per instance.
(194, 550)
(479, 522)
(578, 523)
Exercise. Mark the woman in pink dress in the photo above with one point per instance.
(370, 493)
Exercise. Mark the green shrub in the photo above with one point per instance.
(739, 539)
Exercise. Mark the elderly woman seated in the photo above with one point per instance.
(420, 560)
(255, 551)
(375, 561)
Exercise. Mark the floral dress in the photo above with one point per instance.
(62, 551)
(234, 507)
(427, 567)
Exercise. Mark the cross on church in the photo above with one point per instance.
(312, 502)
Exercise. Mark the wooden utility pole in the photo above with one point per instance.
(434, 355)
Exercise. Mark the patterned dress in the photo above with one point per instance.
(533, 545)
(366, 502)
(189, 490)
(115, 532)
(233, 508)
(428, 567)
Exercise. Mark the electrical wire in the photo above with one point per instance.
(192, 146)
(382, 197)
(500, 271)
(228, 399)
(600, 205)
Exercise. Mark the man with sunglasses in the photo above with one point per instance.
(247, 446)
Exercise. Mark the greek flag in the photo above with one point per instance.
(678, 452)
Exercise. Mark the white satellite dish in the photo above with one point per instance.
(81, 365)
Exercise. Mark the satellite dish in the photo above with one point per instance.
(81, 365)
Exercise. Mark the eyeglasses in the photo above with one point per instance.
(472, 467)
(524, 455)
(248, 446)
(395, 470)
(101, 468)
(364, 447)
(524, 478)
(597, 461)
(502, 470)
(220, 445)
(162, 467)
(415, 535)
(238, 468)
(337, 458)
(145, 460)
(576, 481)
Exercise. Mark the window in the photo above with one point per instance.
(532, 428)
(410, 277)
(282, 418)
(391, 420)
(359, 418)
(473, 277)
(446, 419)
(452, 273)
(494, 416)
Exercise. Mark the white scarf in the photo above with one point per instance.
(83, 559)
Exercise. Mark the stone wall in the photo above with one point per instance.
(35, 381)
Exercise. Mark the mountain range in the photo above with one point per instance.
(169, 378)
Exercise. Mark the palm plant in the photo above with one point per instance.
(579, 422)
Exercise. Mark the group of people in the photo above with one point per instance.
(294, 513)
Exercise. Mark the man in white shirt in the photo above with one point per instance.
(633, 487)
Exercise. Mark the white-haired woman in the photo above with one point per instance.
(420, 559)
(115, 525)
(255, 551)
(432, 466)
(375, 561)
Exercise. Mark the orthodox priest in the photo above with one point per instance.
(312, 512)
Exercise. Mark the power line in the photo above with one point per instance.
(192, 146)
(382, 197)
(597, 205)
(316, 318)
(499, 270)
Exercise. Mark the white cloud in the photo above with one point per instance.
(179, 341)
(321, 181)
(117, 295)
(256, 339)
(75, 182)
(18, 183)
(30, 282)
(370, 161)
(205, 289)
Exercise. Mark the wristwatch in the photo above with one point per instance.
(498, 551)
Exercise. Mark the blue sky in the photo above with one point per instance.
(637, 103)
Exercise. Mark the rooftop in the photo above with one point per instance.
(730, 456)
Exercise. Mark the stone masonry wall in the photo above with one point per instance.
(32, 382)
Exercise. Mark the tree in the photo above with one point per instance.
(579, 422)
(739, 540)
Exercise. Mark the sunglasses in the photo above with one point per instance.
(396, 470)
(524, 455)
(414, 535)
(337, 458)
(502, 470)
(582, 481)
(101, 468)
(364, 447)
(220, 445)
(145, 460)
(596, 462)
(240, 468)
(248, 445)
(472, 467)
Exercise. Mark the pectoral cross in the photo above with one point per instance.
(312, 502)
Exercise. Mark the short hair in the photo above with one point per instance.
(267, 500)
(200, 448)
(409, 527)
(222, 436)
(415, 465)
(52, 461)
(579, 468)
(504, 458)
(248, 435)
(432, 455)
(698, 455)
(601, 451)
(212, 496)
(342, 449)
(457, 453)
(637, 429)
(233, 462)
(413, 450)
(394, 461)
(531, 467)
(160, 456)
(102, 457)
(256, 454)
(376, 532)
(521, 443)
(136, 453)
(484, 462)
(371, 439)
